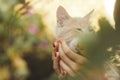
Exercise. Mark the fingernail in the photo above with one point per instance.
(54, 44)
(61, 71)
(60, 41)
(65, 73)
(56, 49)
(57, 54)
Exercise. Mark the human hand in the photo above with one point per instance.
(65, 61)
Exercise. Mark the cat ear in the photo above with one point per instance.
(87, 17)
(62, 16)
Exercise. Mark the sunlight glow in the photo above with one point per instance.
(78, 8)
(109, 6)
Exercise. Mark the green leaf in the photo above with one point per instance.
(22, 1)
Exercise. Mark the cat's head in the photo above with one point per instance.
(67, 24)
(68, 27)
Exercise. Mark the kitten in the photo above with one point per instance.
(74, 31)
(70, 29)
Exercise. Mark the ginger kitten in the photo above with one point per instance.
(77, 31)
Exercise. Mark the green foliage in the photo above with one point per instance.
(102, 45)
(21, 32)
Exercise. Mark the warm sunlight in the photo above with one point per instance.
(109, 6)
(77, 8)
(59, 39)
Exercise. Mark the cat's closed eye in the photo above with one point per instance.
(79, 29)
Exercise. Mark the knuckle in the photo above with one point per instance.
(62, 55)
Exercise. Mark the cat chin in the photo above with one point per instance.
(73, 44)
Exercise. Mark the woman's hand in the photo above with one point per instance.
(68, 63)
(65, 61)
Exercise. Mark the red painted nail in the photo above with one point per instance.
(60, 41)
(54, 44)
(55, 54)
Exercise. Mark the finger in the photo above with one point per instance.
(72, 55)
(55, 49)
(66, 68)
(56, 65)
(63, 73)
(53, 54)
(67, 60)
(55, 46)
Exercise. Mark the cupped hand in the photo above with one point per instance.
(65, 61)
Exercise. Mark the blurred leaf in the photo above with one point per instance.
(1, 17)
(22, 1)
(98, 43)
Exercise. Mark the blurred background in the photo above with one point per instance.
(27, 33)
